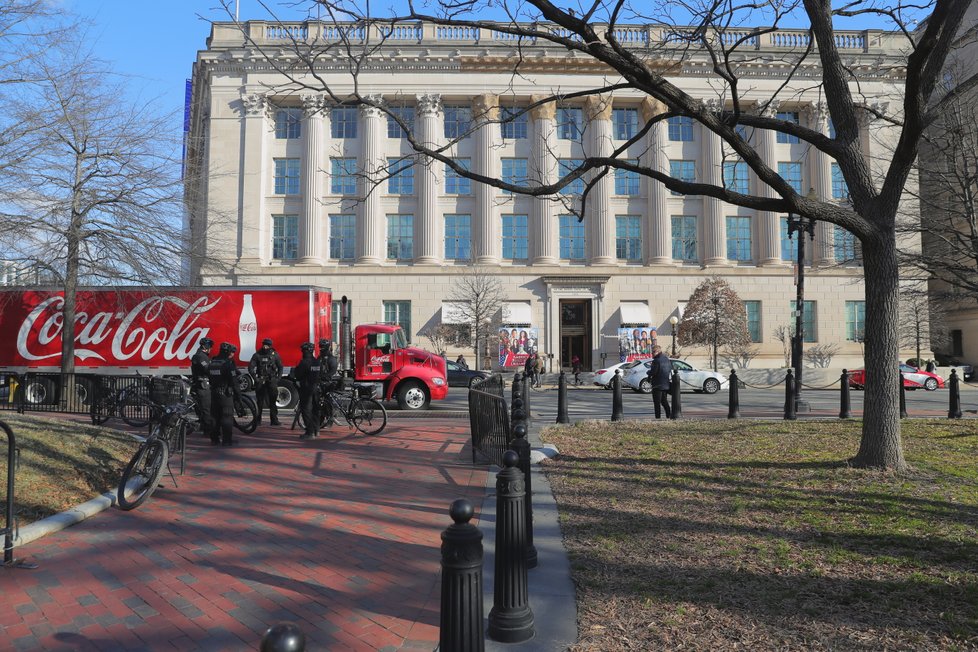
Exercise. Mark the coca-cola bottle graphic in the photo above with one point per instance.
(247, 330)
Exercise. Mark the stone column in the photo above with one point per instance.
(371, 242)
(769, 223)
(486, 238)
(255, 223)
(658, 247)
(544, 168)
(820, 165)
(428, 246)
(714, 224)
(311, 219)
(601, 245)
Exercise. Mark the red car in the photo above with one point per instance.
(913, 378)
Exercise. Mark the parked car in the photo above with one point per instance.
(693, 379)
(602, 377)
(459, 376)
(913, 378)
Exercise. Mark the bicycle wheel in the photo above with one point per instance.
(245, 414)
(369, 417)
(102, 411)
(136, 410)
(146, 466)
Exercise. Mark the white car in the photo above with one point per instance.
(602, 377)
(692, 378)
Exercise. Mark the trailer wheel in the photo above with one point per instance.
(288, 395)
(412, 395)
(39, 391)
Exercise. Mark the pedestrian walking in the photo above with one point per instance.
(530, 369)
(538, 368)
(224, 389)
(266, 368)
(576, 367)
(660, 374)
(306, 373)
(200, 387)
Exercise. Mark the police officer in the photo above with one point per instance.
(266, 368)
(327, 376)
(200, 385)
(307, 373)
(224, 389)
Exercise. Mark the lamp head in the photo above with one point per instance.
(674, 320)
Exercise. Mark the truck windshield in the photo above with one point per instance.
(399, 340)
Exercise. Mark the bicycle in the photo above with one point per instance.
(128, 403)
(356, 406)
(245, 413)
(167, 434)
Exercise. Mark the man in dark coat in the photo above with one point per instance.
(200, 387)
(328, 364)
(307, 374)
(660, 375)
(266, 368)
(224, 389)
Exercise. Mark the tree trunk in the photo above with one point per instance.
(72, 238)
(881, 446)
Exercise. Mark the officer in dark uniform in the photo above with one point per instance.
(224, 389)
(266, 367)
(327, 377)
(307, 374)
(200, 385)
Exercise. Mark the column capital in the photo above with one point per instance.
(545, 111)
(766, 108)
(485, 107)
(817, 114)
(651, 108)
(254, 103)
(373, 109)
(598, 107)
(429, 104)
(313, 104)
(711, 104)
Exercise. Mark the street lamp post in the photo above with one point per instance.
(673, 321)
(798, 224)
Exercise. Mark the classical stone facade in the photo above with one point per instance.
(290, 187)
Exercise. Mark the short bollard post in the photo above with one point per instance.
(461, 583)
(517, 392)
(789, 396)
(617, 413)
(511, 620)
(845, 412)
(903, 399)
(527, 384)
(562, 399)
(677, 406)
(283, 637)
(954, 409)
(733, 407)
(521, 447)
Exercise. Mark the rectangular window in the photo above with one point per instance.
(513, 123)
(753, 309)
(791, 172)
(343, 176)
(626, 181)
(514, 172)
(735, 177)
(286, 176)
(288, 123)
(684, 237)
(458, 237)
(789, 246)
(788, 116)
(455, 183)
(681, 129)
(570, 123)
(285, 237)
(840, 190)
(624, 122)
(957, 342)
(515, 237)
(565, 166)
(335, 321)
(406, 115)
(628, 237)
(343, 122)
(342, 236)
(855, 321)
(399, 312)
(738, 238)
(401, 179)
(458, 121)
(571, 238)
(808, 323)
(400, 237)
(844, 244)
(682, 170)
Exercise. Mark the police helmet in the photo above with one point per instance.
(324, 343)
(267, 341)
(307, 347)
(226, 348)
(207, 342)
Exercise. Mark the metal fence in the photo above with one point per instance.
(489, 419)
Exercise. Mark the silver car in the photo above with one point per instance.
(692, 378)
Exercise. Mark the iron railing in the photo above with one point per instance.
(489, 419)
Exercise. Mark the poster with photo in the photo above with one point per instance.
(635, 343)
(516, 343)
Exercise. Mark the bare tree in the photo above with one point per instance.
(921, 322)
(714, 317)
(478, 299)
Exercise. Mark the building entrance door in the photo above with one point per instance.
(575, 331)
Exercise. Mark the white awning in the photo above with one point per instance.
(454, 312)
(635, 313)
(517, 312)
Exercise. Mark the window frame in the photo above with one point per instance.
(513, 123)
(401, 238)
(623, 128)
(627, 182)
(288, 123)
(629, 242)
(570, 123)
(571, 238)
(680, 128)
(343, 122)
(462, 185)
(342, 180)
(394, 313)
(406, 114)
(400, 180)
(515, 236)
(682, 239)
(754, 321)
(736, 245)
(287, 179)
(788, 116)
(457, 121)
(460, 231)
(516, 178)
(288, 239)
(683, 165)
(342, 236)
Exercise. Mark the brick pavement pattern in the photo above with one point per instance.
(340, 535)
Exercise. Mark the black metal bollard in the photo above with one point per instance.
(845, 412)
(511, 620)
(903, 399)
(617, 413)
(460, 628)
(517, 391)
(521, 447)
(283, 637)
(733, 401)
(954, 409)
(677, 406)
(562, 399)
(789, 396)
(527, 384)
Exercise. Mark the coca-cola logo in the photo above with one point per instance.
(138, 333)
(379, 359)
(249, 327)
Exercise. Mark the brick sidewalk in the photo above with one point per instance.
(340, 535)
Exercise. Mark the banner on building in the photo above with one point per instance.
(635, 343)
(516, 343)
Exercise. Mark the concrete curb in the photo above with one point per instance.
(57, 522)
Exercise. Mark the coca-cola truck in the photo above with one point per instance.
(155, 331)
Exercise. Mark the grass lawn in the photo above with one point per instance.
(709, 535)
(62, 464)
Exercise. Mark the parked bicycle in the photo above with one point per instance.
(167, 437)
(355, 406)
(130, 403)
(245, 414)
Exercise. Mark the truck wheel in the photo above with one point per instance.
(288, 395)
(412, 395)
(39, 391)
(245, 382)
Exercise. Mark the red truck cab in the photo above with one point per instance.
(412, 376)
